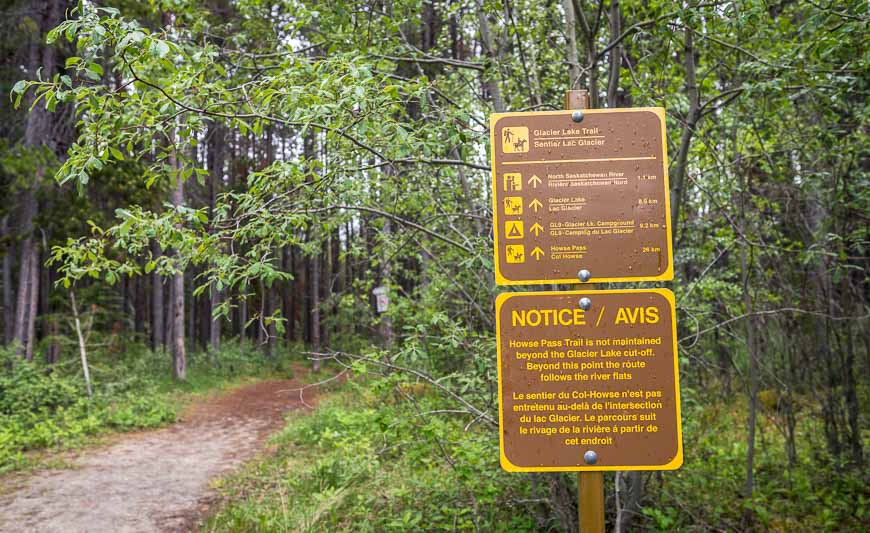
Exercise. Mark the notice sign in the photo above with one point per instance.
(588, 195)
(601, 380)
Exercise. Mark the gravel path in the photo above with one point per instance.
(150, 481)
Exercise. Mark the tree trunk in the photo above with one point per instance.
(326, 285)
(749, 308)
(50, 327)
(214, 332)
(314, 289)
(158, 328)
(8, 305)
(25, 279)
(83, 353)
(571, 45)
(190, 311)
(386, 276)
(38, 134)
(179, 353)
(490, 49)
(217, 148)
(140, 307)
(853, 405)
(292, 300)
(615, 54)
(679, 176)
(33, 303)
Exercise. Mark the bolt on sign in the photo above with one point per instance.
(588, 380)
(589, 195)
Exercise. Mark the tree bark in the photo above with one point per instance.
(33, 303)
(158, 328)
(292, 299)
(25, 279)
(83, 352)
(8, 305)
(38, 135)
(385, 277)
(574, 72)
(752, 371)
(489, 47)
(615, 54)
(692, 117)
(179, 353)
(314, 289)
(216, 160)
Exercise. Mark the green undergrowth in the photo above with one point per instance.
(816, 493)
(47, 408)
(377, 456)
(370, 459)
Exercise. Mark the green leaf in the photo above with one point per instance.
(96, 68)
(19, 87)
(159, 48)
(132, 37)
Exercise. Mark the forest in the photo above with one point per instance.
(203, 195)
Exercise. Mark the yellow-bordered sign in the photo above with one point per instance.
(596, 193)
(603, 379)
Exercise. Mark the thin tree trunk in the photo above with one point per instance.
(191, 312)
(243, 318)
(314, 289)
(679, 176)
(574, 73)
(8, 305)
(50, 328)
(140, 306)
(82, 344)
(615, 54)
(853, 406)
(38, 132)
(326, 285)
(179, 353)
(214, 332)
(386, 276)
(158, 328)
(748, 304)
(19, 335)
(293, 301)
(489, 47)
(33, 303)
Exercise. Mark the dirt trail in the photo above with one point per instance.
(155, 480)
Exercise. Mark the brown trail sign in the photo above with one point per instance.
(580, 195)
(598, 376)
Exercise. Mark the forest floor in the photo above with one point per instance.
(152, 480)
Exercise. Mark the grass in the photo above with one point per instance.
(369, 459)
(45, 410)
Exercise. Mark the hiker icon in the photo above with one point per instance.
(515, 140)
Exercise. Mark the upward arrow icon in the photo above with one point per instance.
(534, 181)
(537, 228)
(535, 204)
(538, 253)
